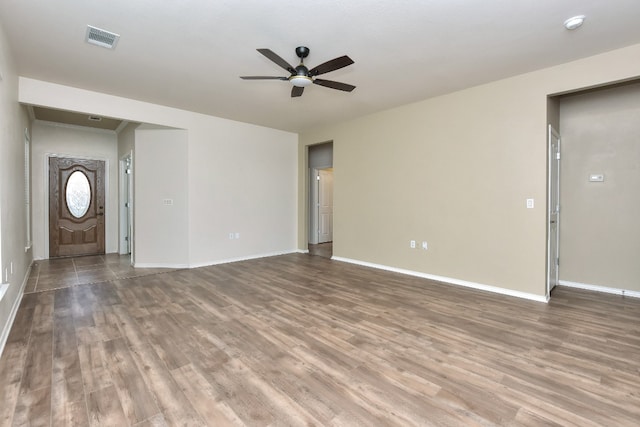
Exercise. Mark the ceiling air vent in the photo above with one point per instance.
(101, 37)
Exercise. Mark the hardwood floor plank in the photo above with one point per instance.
(167, 393)
(95, 375)
(9, 393)
(204, 398)
(12, 363)
(67, 413)
(67, 382)
(129, 327)
(33, 408)
(104, 408)
(155, 421)
(38, 366)
(166, 339)
(137, 402)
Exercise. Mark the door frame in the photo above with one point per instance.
(318, 208)
(126, 214)
(48, 156)
(314, 199)
(553, 162)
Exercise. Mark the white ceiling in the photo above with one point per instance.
(189, 54)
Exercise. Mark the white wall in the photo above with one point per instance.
(241, 182)
(126, 139)
(241, 177)
(160, 176)
(13, 221)
(71, 141)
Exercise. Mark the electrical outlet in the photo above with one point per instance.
(231, 236)
(529, 203)
(237, 235)
(425, 246)
(412, 244)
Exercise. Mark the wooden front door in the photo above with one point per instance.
(76, 207)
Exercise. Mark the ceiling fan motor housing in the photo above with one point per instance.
(301, 70)
(302, 52)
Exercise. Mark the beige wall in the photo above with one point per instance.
(13, 218)
(454, 171)
(51, 139)
(600, 228)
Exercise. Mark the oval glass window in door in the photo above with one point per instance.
(78, 194)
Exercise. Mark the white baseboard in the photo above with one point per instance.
(598, 288)
(449, 280)
(4, 336)
(244, 258)
(159, 265)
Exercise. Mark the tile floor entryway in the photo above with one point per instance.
(323, 249)
(60, 273)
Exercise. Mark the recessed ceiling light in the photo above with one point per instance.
(574, 22)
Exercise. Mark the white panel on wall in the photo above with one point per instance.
(160, 174)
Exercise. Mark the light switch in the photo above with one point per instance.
(529, 203)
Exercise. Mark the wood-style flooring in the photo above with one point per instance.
(299, 340)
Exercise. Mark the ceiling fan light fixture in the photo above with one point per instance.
(574, 22)
(300, 76)
(300, 81)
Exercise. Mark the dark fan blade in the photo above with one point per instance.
(263, 78)
(334, 85)
(334, 64)
(296, 91)
(275, 58)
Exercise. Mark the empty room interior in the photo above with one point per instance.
(284, 213)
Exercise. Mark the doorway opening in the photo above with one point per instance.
(597, 194)
(126, 206)
(553, 210)
(320, 160)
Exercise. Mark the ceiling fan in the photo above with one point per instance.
(301, 76)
